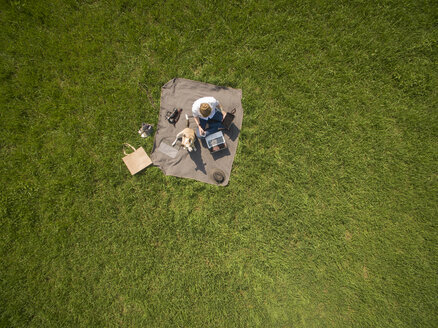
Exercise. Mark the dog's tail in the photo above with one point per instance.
(187, 119)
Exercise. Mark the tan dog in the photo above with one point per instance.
(187, 138)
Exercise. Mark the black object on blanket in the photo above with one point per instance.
(228, 119)
(173, 117)
(218, 176)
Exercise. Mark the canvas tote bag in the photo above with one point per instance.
(137, 160)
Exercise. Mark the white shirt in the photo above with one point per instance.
(214, 104)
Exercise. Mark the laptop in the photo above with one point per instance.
(216, 142)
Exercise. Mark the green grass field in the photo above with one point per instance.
(330, 217)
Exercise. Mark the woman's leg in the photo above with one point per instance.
(198, 134)
(211, 125)
(215, 123)
(218, 116)
(203, 124)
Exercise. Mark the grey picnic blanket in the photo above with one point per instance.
(200, 164)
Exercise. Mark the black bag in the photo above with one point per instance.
(228, 119)
(173, 117)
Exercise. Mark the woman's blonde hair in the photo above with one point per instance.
(205, 109)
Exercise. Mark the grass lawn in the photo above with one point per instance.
(330, 217)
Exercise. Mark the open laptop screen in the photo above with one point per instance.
(215, 139)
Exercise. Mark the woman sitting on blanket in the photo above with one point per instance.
(208, 115)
